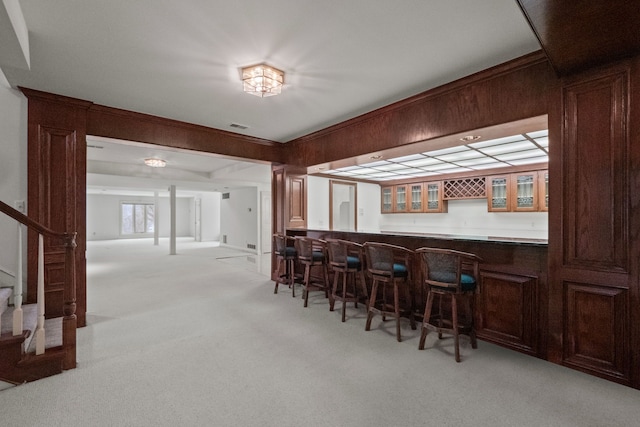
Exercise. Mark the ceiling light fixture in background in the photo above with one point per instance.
(155, 163)
(262, 80)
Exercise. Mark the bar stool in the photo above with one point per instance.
(389, 267)
(286, 255)
(312, 253)
(347, 259)
(451, 276)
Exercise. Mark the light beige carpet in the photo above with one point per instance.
(188, 340)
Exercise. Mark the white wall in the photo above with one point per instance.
(464, 217)
(318, 205)
(13, 171)
(239, 218)
(103, 216)
(210, 218)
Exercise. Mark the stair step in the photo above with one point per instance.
(5, 294)
(29, 321)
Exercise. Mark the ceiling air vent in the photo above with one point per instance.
(238, 126)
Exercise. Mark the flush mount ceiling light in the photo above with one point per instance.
(262, 80)
(470, 138)
(155, 163)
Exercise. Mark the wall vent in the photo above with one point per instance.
(225, 195)
(238, 126)
(224, 238)
(251, 246)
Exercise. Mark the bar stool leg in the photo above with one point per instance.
(305, 284)
(372, 303)
(425, 321)
(396, 310)
(332, 301)
(344, 293)
(290, 277)
(454, 321)
(470, 311)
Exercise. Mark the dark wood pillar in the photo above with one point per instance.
(57, 194)
(593, 227)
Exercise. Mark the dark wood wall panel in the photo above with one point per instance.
(593, 272)
(596, 329)
(507, 310)
(297, 196)
(512, 91)
(596, 188)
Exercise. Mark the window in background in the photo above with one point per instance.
(137, 218)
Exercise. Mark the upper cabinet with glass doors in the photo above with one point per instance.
(518, 192)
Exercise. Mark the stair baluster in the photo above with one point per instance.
(39, 336)
(17, 289)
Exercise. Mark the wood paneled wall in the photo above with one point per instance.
(594, 303)
(512, 91)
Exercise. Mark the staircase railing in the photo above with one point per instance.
(69, 321)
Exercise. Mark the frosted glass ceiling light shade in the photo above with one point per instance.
(262, 80)
(155, 163)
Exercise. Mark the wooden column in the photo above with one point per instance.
(593, 269)
(57, 194)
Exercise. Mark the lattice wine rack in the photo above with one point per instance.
(465, 188)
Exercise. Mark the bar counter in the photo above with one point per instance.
(511, 305)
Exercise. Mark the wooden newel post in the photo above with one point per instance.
(69, 321)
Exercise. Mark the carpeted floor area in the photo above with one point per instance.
(199, 338)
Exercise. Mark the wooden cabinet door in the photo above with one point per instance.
(416, 197)
(433, 197)
(525, 192)
(401, 199)
(386, 202)
(498, 192)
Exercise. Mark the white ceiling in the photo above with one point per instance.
(182, 59)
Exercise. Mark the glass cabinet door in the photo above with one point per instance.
(525, 197)
(387, 200)
(401, 198)
(434, 197)
(498, 192)
(416, 198)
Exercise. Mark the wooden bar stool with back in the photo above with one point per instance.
(347, 259)
(312, 253)
(389, 268)
(452, 277)
(286, 256)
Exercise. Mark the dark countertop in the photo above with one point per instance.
(488, 239)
